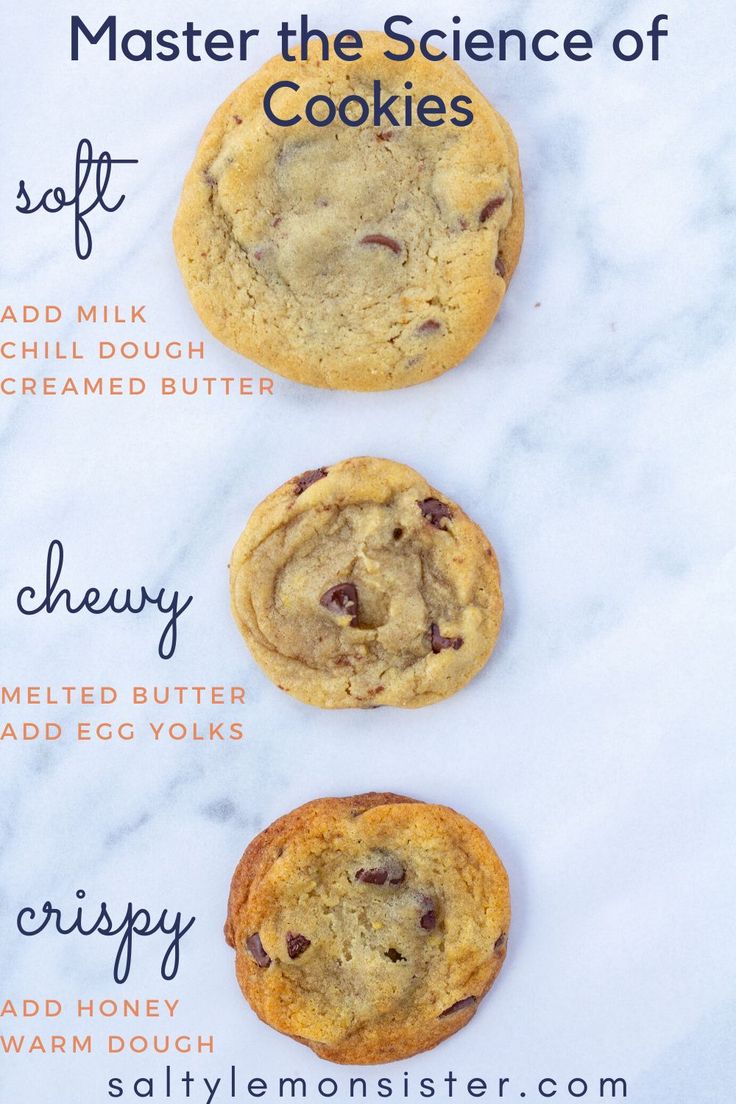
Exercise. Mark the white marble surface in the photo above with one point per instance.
(591, 434)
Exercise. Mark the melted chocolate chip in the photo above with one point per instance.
(440, 642)
(393, 873)
(254, 945)
(307, 478)
(381, 239)
(500, 942)
(491, 206)
(398, 533)
(500, 268)
(428, 919)
(434, 511)
(430, 326)
(342, 598)
(395, 955)
(385, 135)
(458, 1006)
(296, 944)
(237, 119)
(375, 876)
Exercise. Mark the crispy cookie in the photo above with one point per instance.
(365, 257)
(368, 927)
(358, 584)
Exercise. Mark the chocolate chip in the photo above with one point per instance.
(296, 944)
(398, 533)
(307, 478)
(500, 942)
(393, 873)
(500, 268)
(385, 135)
(440, 642)
(254, 945)
(428, 919)
(381, 239)
(237, 119)
(434, 511)
(342, 598)
(458, 1006)
(491, 206)
(395, 955)
(430, 326)
(375, 876)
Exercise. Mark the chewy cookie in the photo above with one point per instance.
(358, 584)
(363, 257)
(369, 927)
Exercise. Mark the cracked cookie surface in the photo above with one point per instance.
(368, 927)
(364, 258)
(359, 584)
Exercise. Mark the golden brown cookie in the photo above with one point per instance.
(366, 257)
(359, 584)
(369, 927)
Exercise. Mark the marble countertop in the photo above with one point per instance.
(591, 434)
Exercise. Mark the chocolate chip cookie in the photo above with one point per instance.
(369, 927)
(359, 584)
(360, 257)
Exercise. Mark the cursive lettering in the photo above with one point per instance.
(92, 601)
(55, 199)
(134, 922)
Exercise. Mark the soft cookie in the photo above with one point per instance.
(369, 927)
(359, 584)
(360, 257)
